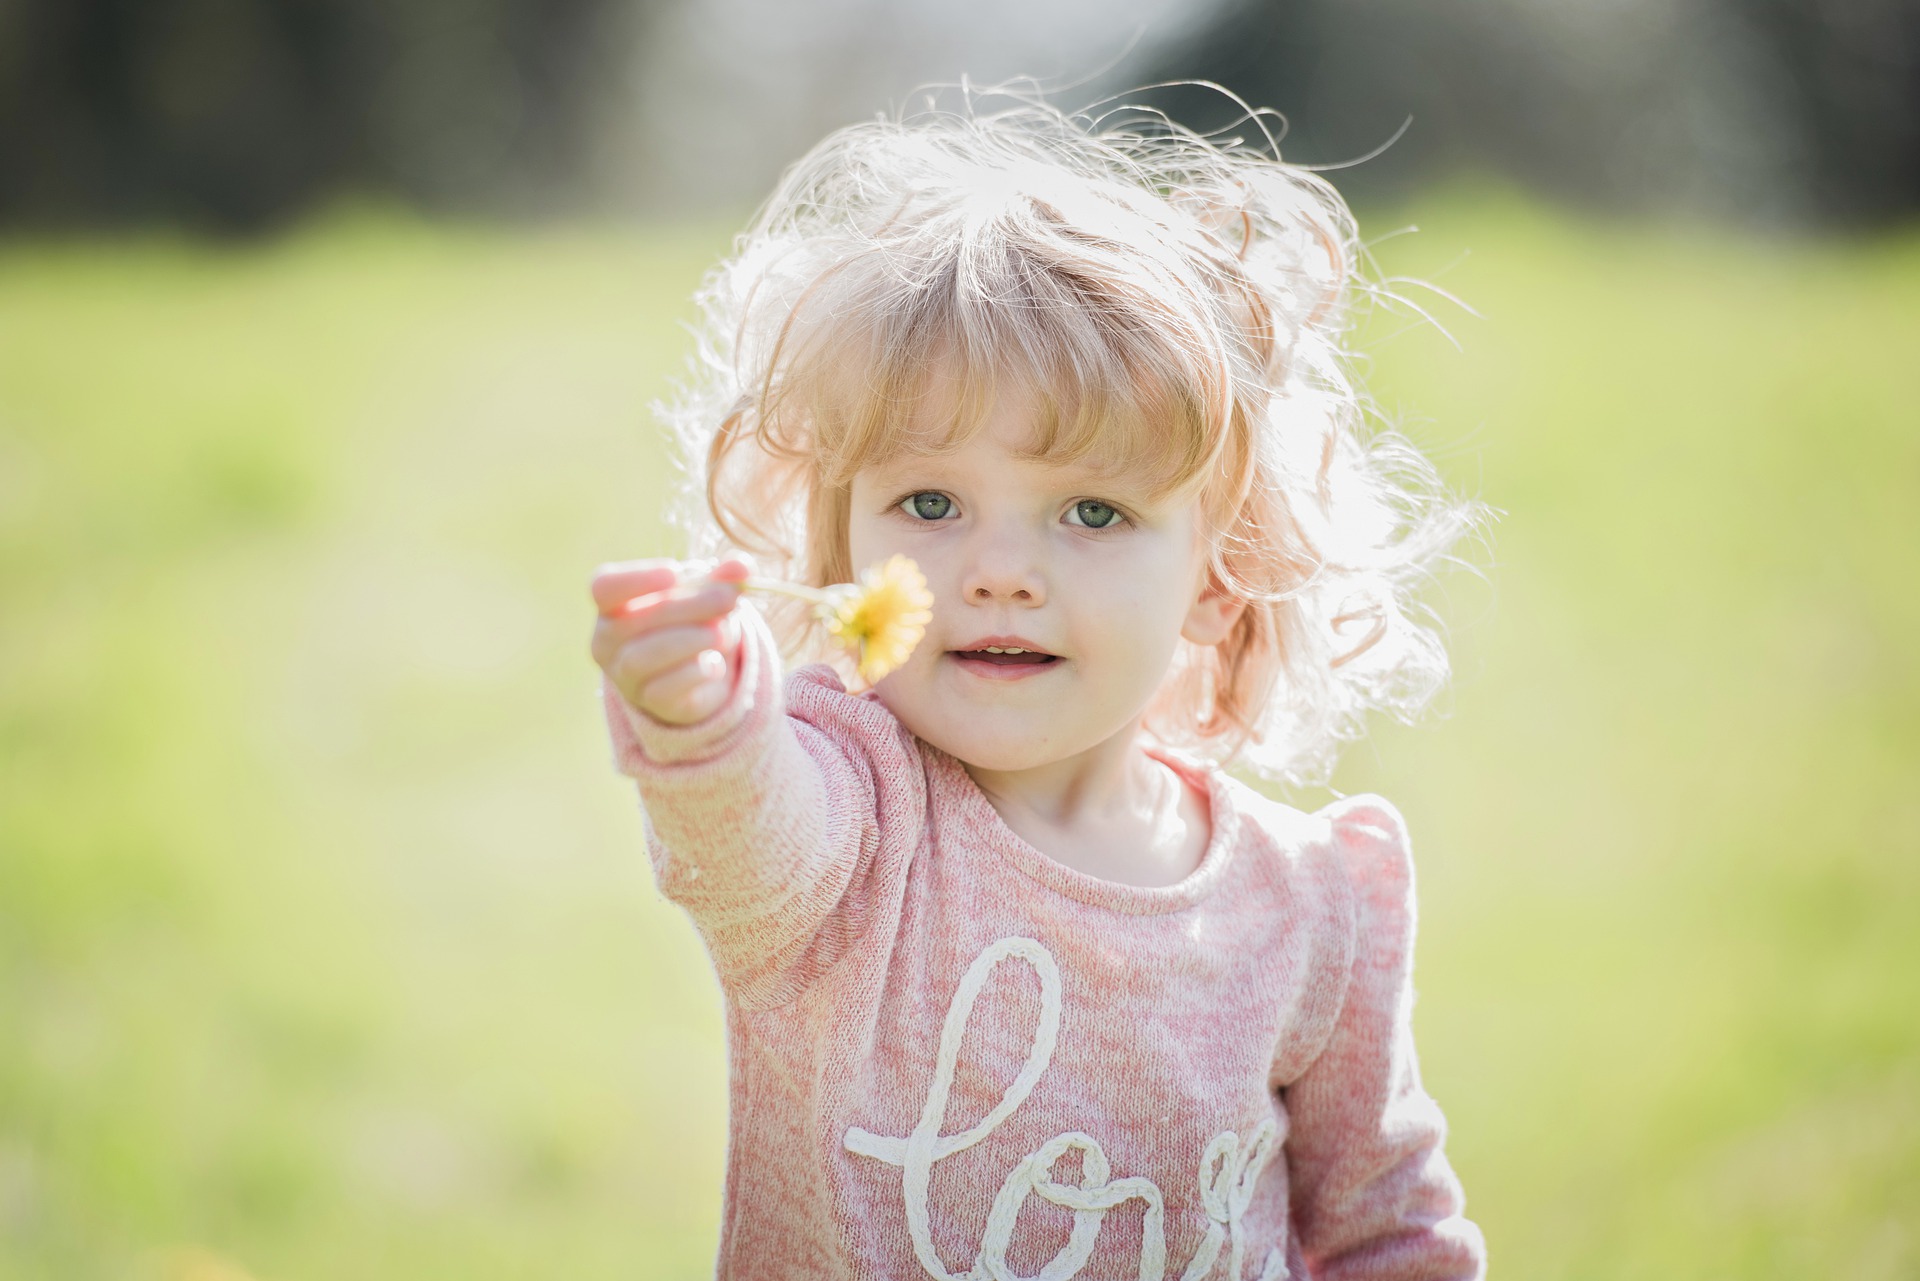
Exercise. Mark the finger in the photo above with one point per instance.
(689, 692)
(612, 635)
(646, 657)
(732, 570)
(620, 581)
(687, 602)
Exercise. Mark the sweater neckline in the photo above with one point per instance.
(976, 813)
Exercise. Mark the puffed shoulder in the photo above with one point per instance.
(1370, 838)
(1360, 840)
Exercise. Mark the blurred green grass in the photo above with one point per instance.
(327, 945)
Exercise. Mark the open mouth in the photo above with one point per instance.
(1004, 662)
(1028, 658)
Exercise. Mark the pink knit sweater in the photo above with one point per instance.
(951, 1056)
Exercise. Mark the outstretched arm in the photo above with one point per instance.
(1373, 1196)
(755, 824)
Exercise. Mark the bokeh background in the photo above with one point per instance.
(327, 334)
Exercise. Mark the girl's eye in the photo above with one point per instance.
(928, 505)
(1094, 514)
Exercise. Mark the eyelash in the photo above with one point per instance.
(1120, 517)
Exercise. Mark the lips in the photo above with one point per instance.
(978, 648)
(978, 657)
(1006, 660)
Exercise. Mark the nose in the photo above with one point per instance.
(1003, 568)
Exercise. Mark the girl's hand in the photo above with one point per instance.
(666, 637)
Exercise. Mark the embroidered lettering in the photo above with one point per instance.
(1228, 1173)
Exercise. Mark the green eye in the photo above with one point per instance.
(930, 506)
(1094, 514)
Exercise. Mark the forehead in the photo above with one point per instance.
(1010, 445)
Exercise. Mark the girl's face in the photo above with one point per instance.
(1066, 560)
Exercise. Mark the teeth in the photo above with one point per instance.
(997, 649)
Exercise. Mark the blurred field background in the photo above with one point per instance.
(327, 945)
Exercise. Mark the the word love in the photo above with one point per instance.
(1228, 1170)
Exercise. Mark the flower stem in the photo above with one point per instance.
(779, 587)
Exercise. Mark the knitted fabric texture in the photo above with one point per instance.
(952, 1057)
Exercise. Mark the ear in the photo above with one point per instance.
(1212, 616)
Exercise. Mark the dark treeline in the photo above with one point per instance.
(234, 115)
(1783, 112)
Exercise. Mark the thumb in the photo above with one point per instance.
(732, 631)
(734, 569)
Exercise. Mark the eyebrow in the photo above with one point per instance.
(1132, 480)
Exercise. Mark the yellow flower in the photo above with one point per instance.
(883, 616)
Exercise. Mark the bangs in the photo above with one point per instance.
(1121, 369)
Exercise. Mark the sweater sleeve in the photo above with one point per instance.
(756, 822)
(1373, 1196)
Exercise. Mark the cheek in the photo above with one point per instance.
(1153, 605)
(870, 535)
(1134, 619)
(1159, 585)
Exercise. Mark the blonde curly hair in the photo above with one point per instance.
(1163, 297)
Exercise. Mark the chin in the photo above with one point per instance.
(989, 752)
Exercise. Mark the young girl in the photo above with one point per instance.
(1019, 982)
